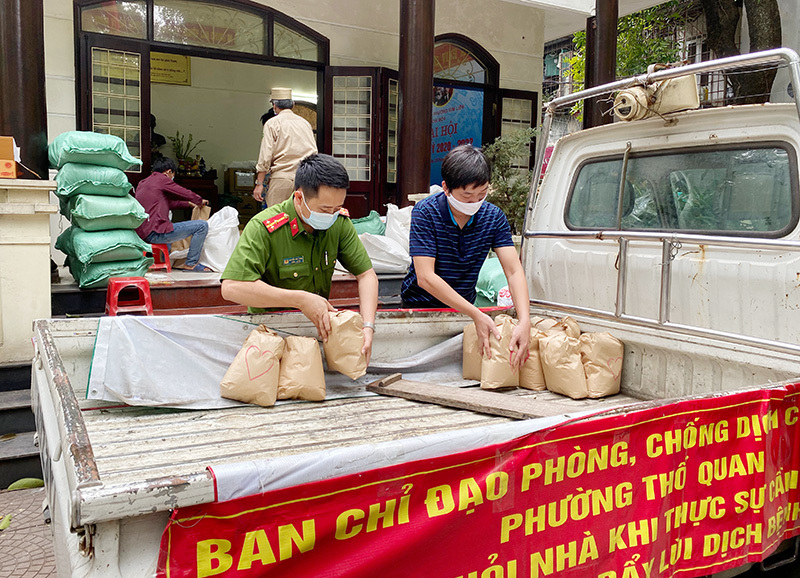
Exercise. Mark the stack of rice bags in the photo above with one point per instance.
(562, 359)
(93, 193)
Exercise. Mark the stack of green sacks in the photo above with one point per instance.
(93, 193)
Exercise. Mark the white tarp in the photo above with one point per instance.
(254, 477)
(156, 361)
(179, 361)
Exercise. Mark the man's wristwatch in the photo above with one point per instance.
(259, 184)
(370, 325)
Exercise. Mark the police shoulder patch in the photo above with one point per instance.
(276, 222)
(344, 212)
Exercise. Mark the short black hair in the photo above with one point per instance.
(283, 103)
(164, 164)
(466, 165)
(317, 170)
(267, 115)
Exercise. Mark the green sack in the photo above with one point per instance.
(96, 213)
(490, 280)
(91, 148)
(101, 246)
(370, 224)
(96, 275)
(74, 179)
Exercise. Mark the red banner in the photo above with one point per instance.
(682, 489)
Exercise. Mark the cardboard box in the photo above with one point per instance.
(8, 169)
(9, 156)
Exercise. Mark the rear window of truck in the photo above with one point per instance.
(730, 191)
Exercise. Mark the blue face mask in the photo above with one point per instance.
(319, 221)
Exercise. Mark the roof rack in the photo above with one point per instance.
(768, 57)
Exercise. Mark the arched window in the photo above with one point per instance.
(465, 78)
(457, 58)
(229, 26)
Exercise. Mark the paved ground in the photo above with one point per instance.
(26, 548)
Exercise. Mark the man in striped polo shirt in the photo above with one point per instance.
(451, 235)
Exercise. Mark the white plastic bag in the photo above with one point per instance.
(223, 234)
(398, 224)
(387, 255)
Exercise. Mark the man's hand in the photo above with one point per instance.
(316, 308)
(205, 202)
(520, 340)
(258, 193)
(485, 326)
(368, 335)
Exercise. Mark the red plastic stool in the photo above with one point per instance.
(142, 304)
(161, 257)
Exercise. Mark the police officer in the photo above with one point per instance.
(287, 252)
(287, 138)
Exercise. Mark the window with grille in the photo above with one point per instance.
(352, 117)
(121, 18)
(517, 115)
(391, 134)
(116, 96)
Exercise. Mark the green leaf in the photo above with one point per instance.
(5, 522)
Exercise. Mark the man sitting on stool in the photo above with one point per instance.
(158, 193)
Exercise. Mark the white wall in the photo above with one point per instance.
(59, 66)
(223, 105)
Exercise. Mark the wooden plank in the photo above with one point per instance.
(514, 403)
(477, 400)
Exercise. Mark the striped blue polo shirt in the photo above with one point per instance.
(459, 253)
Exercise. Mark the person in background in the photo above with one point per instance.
(263, 179)
(158, 193)
(287, 139)
(266, 116)
(286, 254)
(156, 140)
(451, 235)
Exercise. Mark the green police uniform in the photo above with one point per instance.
(276, 248)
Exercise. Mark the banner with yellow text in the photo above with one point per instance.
(680, 489)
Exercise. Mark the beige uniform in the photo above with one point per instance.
(288, 138)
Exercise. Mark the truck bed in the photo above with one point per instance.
(161, 455)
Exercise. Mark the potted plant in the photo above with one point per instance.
(183, 146)
(510, 185)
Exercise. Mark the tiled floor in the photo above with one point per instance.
(26, 547)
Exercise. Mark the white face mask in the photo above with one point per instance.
(466, 208)
(317, 220)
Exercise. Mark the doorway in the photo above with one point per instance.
(201, 47)
(217, 105)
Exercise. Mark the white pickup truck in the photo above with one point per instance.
(679, 235)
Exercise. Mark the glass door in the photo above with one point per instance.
(115, 97)
(351, 105)
(390, 128)
(518, 112)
